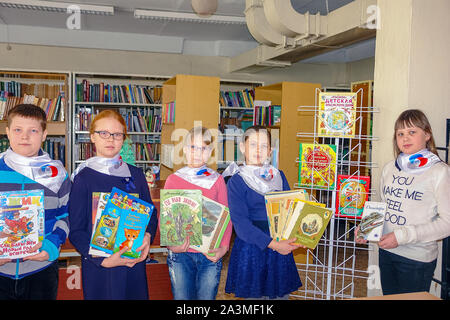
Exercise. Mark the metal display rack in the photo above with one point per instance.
(338, 265)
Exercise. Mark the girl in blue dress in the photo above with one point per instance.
(259, 267)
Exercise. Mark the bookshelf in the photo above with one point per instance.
(136, 97)
(236, 110)
(50, 90)
(289, 95)
(196, 100)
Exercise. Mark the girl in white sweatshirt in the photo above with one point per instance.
(416, 189)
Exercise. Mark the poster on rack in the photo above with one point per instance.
(337, 114)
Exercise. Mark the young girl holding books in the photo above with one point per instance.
(259, 267)
(195, 275)
(415, 187)
(113, 277)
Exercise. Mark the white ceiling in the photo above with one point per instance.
(38, 27)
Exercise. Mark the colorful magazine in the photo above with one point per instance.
(352, 193)
(22, 222)
(215, 220)
(337, 114)
(181, 215)
(371, 226)
(308, 223)
(317, 166)
(122, 224)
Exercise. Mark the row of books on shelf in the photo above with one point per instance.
(241, 99)
(267, 116)
(56, 149)
(142, 120)
(54, 108)
(19, 89)
(137, 120)
(143, 151)
(146, 151)
(168, 112)
(101, 92)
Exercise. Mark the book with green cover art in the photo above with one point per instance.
(181, 215)
(308, 224)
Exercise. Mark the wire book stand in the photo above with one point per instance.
(338, 267)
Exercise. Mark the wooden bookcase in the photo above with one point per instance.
(94, 92)
(290, 95)
(366, 94)
(196, 103)
(42, 85)
(237, 115)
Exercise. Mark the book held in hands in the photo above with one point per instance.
(122, 223)
(22, 222)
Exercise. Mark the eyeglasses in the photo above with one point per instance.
(196, 148)
(106, 135)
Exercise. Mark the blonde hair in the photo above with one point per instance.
(414, 118)
(108, 114)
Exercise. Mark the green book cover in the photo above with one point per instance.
(308, 224)
(181, 215)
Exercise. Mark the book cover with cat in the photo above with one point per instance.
(181, 215)
(215, 219)
(122, 224)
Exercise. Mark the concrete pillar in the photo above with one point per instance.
(412, 70)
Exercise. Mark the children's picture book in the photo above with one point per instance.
(352, 193)
(215, 220)
(317, 166)
(122, 224)
(99, 200)
(337, 114)
(308, 223)
(277, 208)
(181, 216)
(371, 226)
(22, 222)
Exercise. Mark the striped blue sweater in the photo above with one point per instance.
(56, 220)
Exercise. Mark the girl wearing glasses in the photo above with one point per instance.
(194, 275)
(112, 277)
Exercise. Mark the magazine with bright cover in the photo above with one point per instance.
(22, 222)
(351, 194)
(372, 222)
(122, 224)
(215, 220)
(337, 114)
(99, 200)
(181, 216)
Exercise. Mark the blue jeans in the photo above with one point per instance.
(193, 276)
(402, 275)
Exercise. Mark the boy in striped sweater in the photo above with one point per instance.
(24, 166)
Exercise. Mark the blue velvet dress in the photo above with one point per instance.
(254, 269)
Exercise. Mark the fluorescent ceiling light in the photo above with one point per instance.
(187, 17)
(56, 6)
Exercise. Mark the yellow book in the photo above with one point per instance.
(337, 114)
